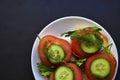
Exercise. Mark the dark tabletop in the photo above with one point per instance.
(21, 20)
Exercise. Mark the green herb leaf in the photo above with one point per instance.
(92, 39)
(67, 34)
(96, 29)
(47, 73)
(72, 34)
(75, 33)
(78, 62)
(44, 70)
(107, 49)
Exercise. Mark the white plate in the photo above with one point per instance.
(62, 25)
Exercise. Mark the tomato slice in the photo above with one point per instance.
(76, 71)
(48, 40)
(76, 45)
(109, 57)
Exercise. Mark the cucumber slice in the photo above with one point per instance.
(55, 53)
(63, 73)
(90, 43)
(100, 67)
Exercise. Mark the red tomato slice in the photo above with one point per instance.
(48, 40)
(76, 45)
(109, 57)
(76, 71)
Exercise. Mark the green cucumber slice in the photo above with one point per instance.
(55, 53)
(63, 73)
(90, 43)
(100, 67)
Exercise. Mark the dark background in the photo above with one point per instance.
(21, 20)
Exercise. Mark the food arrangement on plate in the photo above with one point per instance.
(86, 56)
